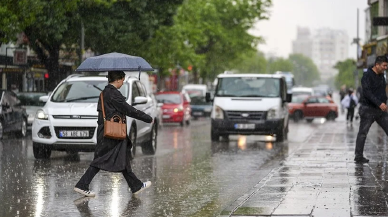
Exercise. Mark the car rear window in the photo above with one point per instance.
(168, 98)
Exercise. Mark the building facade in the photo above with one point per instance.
(324, 46)
(376, 37)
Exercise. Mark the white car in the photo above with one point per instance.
(68, 121)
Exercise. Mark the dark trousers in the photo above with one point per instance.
(350, 114)
(369, 115)
(133, 182)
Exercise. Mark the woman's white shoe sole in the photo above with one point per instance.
(90, 194)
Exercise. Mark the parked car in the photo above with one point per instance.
(30, 101)
(310, 107)
(199, 107)
(13, 117)
(176, 107)
(68, 121)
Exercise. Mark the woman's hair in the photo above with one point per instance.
(115, 75)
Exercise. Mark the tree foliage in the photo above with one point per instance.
(279, 64)
(210, 34)
(251, 62)
(304, 70)
(345, 73)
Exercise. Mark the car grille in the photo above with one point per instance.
(245, 115)
(90, 129)
(75, 116)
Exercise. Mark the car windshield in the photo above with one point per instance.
(297, 93)
(199, 100)
(248, 87)
(83, 91)
(168, 98)
(298, 99)
(30, 99)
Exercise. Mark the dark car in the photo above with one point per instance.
(30, 101)
(199, 107)
(13, 117)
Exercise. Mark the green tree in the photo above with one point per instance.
(304, 70)
(251, 62)
(211, 34)
(122, 26)
(15, 16)
(279, 64)
(345, 73)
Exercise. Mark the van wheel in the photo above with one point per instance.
(41, 151)
(281, 135)
(298, 115)
(132, 137)
(215, 137)
(149, 147)
(182, 123)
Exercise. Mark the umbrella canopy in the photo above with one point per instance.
(114, 62)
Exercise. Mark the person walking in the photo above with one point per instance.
(373, 107)
(110, 154)
(350, 102)
(342, 94)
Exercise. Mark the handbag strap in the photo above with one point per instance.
(102, 105)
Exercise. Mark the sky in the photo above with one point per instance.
(286, 15)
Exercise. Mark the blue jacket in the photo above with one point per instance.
(373, 89)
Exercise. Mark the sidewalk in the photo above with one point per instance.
(321, 179)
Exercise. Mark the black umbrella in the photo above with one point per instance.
(114, 62)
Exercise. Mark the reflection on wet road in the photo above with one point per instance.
(191, 175)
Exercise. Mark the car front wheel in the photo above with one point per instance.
(149, 147)
(23, 129)
(41, 151)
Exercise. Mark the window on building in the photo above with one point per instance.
(374, 12)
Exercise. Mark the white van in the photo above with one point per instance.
(250, 104)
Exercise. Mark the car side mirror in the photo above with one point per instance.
(43, 98)
(288, 97)
(159, 104)
(140, 100)
(208, 97)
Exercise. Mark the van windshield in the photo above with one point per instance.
(248, 87)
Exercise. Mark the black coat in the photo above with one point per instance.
(111, 154)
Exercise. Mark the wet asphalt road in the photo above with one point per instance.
(191, 176)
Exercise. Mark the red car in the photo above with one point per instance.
(176, 107)
(310, 107)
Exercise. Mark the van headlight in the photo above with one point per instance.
(273, 113)
(218, 113)
(41, 115)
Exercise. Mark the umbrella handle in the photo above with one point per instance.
(139, 71)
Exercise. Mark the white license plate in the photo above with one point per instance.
(244, 126)
(197, 113)
(74, 133)
(166, 116)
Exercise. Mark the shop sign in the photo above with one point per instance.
(11, 69)
(20, 57)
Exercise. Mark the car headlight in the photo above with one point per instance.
(180, 108)
(41, 115)
(273, 113)
(218, 113)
